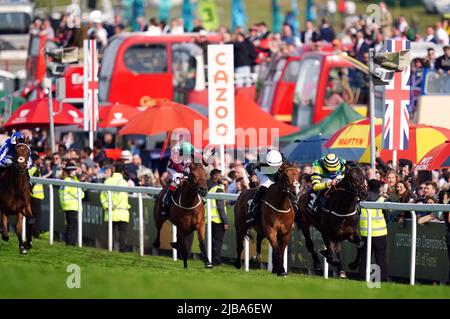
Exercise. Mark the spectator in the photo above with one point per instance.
(141, 24)
(361, 47)
(391, 181)
(385, 21)
(120, 206)
(287, 36)
(244, 56)
(431, 36)
(85, 155)
(430, 60)
(56, 166)
(36, 27)
(441, 34)
(443, 62)
(68, 198)
(47, 30)
(33, 226)
(309, 35)
(326, 31)
(98, 32)
(379, 232)
(154, 27)
(198, 25)
(219, 219)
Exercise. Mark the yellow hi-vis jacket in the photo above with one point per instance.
(38, 189)
(119, 200)
(379, 227)
(215, 215)
(68, 196)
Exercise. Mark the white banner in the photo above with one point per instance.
(221, 94)
(90, 85)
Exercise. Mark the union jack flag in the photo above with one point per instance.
(397, 99)
(90, 78)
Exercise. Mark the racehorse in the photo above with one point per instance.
(337, 220)
(187, 212)
(277, 216)
(15, 193)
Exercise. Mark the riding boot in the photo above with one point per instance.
(166, 202)
(254, 206)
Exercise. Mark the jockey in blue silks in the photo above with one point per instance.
(7, 150)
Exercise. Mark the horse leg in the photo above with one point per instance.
(305, 227)
(201, 239)
(337, 249)
(283, 244)
(5, 235)
(276, 252)
(19, 229)
(30, 224)
(159, 221)
(259, 239)
(329, 252)
(356, 239)
(240, 234)
(181, 243)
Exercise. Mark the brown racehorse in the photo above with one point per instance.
(15, 193)
(187, 212)
(277, 216)
(338, 220)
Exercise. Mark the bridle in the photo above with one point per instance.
(21, 159)
(195, 187)
(293, 198)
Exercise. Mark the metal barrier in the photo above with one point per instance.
(230, 197)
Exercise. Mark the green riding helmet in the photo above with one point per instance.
(186, 149)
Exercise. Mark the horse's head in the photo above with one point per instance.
(22, 155)
(290, 180)
(198, 178)
(355, 182)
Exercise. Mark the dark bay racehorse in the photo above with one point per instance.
(187, 212)
(15, 193)
(277, 216)
(338, 219)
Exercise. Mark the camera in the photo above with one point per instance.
(383, 74)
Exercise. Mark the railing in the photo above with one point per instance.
(230, 197)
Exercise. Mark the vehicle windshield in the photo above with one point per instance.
(147, 58)
(436, 84)
(108, 61)
(184, 69)
(14, 22)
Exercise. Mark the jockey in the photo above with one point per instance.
(327, 172)
(267, 173)
(7, 150)
(178, 167)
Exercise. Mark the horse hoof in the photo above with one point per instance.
(354, 265)
(208, 265)
(22, 250)
(174, 245)
(5, 238)
(283, 274)
(237, 264)
(342, 275)
(28, 246)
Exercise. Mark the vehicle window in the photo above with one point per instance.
(147, 58)
(14, 23)
(106, 69)
(436, 84)
(308, 78)
(346, 85)
(184, 69)
(34, 46)
(291, 74)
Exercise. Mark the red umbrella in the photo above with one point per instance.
(35, 114)
(116, 115)
(165, 117)
(437, 158)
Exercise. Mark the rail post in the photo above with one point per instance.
(80, 219)
(413, 248)
(141, 225)
(246, 254)
(51, 213)
(110, 224)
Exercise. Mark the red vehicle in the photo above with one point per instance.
(304, 89)
(137, 68)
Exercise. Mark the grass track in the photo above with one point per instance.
(114, 275)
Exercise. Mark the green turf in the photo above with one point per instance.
(42, 274)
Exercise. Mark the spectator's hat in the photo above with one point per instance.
(126, 156)
(144, 172)
(107, 166)
(70, 166)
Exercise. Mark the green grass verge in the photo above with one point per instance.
(42, 274)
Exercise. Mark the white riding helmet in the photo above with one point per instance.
(274, 158)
